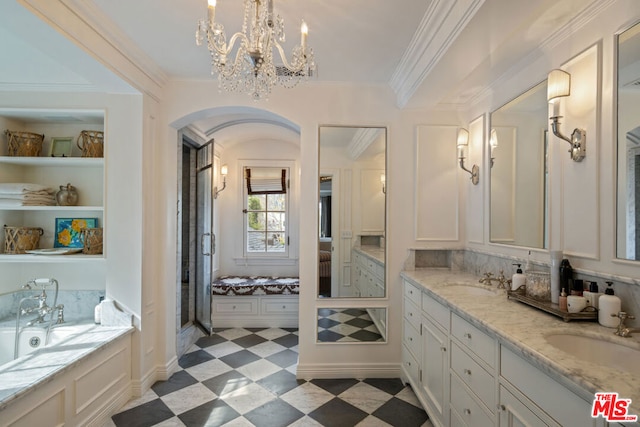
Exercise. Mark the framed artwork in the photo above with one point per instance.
(67, 234)
(61, 146)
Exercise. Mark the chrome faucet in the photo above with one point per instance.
(622, 330)
(502, 281)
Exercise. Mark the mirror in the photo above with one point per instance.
(339, 325)
(628, 215)
(518, 146)
(352, 212)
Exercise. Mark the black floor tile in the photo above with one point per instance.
(226, 383)
(338, 413)
(276, 413)
(329, 336)
(205, 342)
(327, 323)
(280, 382)
(144, 415)
(355, 312)
(284, 359)
(194, 358)
(289, 340)
(400, 413)
(213, 413)
(363, 335)
(359, 322)
(177, 381)
(249, 340)
(326, 312)
(335, 386)
(240, 358)
(392, 386)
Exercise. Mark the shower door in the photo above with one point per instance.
(205, 238)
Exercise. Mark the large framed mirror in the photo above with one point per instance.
(352, 212)
(628, 159)
(519, 174)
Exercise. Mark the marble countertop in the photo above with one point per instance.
(524, 328)
(26, 373)
(375, 252)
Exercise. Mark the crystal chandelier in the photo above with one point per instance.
(253, 70)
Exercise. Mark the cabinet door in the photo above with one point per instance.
(434, 366)
(514, 413)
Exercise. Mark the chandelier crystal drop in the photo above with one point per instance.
(251, 69)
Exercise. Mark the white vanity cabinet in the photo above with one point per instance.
(464, 375)
(368, 275)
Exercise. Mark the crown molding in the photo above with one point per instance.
(85, 25)
(362, 139)
(443, 21)
(48, 87)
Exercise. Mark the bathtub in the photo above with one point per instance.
(33, 338)
(88, 366)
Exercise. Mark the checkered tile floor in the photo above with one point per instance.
(346, 325)
(246, 377)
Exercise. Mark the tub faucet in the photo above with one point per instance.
(622, 330)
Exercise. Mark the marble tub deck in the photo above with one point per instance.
(523, 329)
(25, 374)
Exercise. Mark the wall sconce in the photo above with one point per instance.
(223, 171)
(383, 180)
(463, 145)
(558, 86)
(493, 143)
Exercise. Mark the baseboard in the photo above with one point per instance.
(254, 322)
(160, 373)
(348, 370)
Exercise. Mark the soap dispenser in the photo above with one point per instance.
(609, 308)
(518, 279)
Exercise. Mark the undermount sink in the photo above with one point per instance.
(472, 289)
(593, 350)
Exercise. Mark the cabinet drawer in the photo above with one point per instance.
(411, 313)
(410, 365)
(474, 376)
(278, 307)
(411, 338)
(243, 305)
(436, 311)
(474, 339)
(466, 407)
(545, 392)
(412, 293)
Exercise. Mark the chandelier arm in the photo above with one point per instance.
(285, 61)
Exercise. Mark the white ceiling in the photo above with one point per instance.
(429, 51)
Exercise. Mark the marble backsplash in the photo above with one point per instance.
(77, 304)
(478, 263)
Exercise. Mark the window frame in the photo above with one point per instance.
(287, 212)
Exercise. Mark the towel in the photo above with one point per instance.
(6, 202)
(21, 188)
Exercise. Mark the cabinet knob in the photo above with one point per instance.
(284, 306)
(467, 411)
(409, 363)
(443, 348)
(467, 371)
(410, 339)
(234, 307)
(501, 407)
(467, 335)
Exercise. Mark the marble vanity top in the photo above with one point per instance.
(523, 329)
(375, 252)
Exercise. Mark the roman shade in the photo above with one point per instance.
(266, 180)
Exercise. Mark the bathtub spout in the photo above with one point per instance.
(42, 309)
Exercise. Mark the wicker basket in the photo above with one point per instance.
(92, 143)
(17, 240)
(24, 144)
(92, 239)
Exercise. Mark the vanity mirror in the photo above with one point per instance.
(518, 147)
(352, 211)
(628, 161)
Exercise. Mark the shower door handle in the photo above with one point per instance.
(202, 246)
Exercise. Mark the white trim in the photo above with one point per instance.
(348, 370)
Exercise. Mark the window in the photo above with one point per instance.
(266, 210)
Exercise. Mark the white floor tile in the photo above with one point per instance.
(209, 369)
(259, 369)
(307, 397)
(306, 421)
(247, 398)
(372, 421)
(238, 422)
(409, 396)
(223, 349)
(171, 422)
(267, 348)
(188, 398)
(232, 334)
(365, 397)
(272, 333)
(147, 397)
